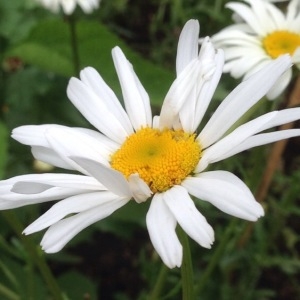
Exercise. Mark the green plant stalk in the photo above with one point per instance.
(35, 255)
(30, 280)
(160, 282)
(216, 257)
(218, 6)
(74, 44)
(7, 293)
(187, 275)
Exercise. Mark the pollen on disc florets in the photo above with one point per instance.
(281, 42)
(162, 158)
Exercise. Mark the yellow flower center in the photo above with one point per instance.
(162, 158)
(281, 42)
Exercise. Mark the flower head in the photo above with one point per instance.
(262, 34)
(133, 156)
(68, 6)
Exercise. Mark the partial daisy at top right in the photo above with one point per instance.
(262, 33)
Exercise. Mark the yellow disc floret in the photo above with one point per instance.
(281, 42)
(162, 158)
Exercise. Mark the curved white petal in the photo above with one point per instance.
(93, 79)
(262, 139)
(208, 89)
(292, 10)
(57, 180)
(178, 93)
(135, 97)
(113, 180)
(10, 200)
(71, 205)
(49, 156)
(225, 191)
(202, 77)
(161, 226)
(188, 216)
(250, 91)
(245, 12)
(280, 84)
(235, 35)
(59, 234)
(140, 190)
(95, 110)
(236, 137)
(27, 188)
(74, 143)
(33, 135)
(283, 117)
(188, 45)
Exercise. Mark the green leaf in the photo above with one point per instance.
(49, 47)
(15, 22)
(77, 286)
(43, 57)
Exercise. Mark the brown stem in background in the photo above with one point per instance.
(273, 161)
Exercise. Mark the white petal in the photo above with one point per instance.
(59, 234)
(229, 142)
(188, 45)
(241, 99)
(139, 188)
(178, 93)
(292, 10)
(161, 226)
(49, 156)
(71, 205)
(135, 97)
(113, 180)
(74, 143)
(203, 75)
(59, 180)
(188, 216)
(280, 85)
(95, 110)
(33, 135)
(208, 89)
(262, 139)
(245, 12)
(68, 6)
(13, 200)
(23, 187)
(225, 191)
(92, 78)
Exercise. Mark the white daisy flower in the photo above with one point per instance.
(68, 6)
(263, 33)
(134, 157)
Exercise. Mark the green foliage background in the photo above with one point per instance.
(114, 258)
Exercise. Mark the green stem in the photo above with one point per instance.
(7, 293)
(74, 44)
(159, 283)
(216, 257)
(187, 276)
(36, 256)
